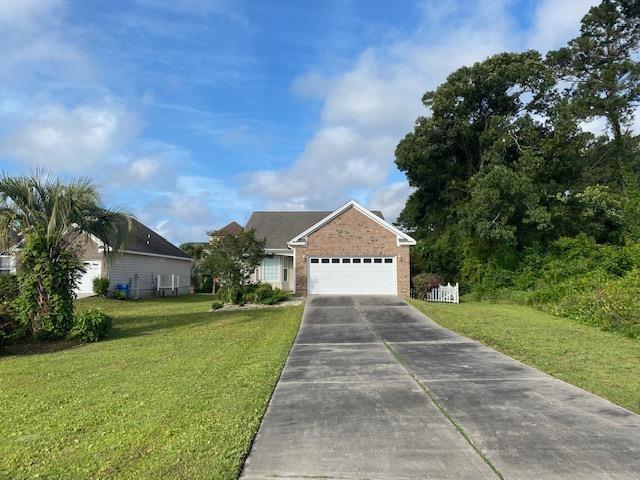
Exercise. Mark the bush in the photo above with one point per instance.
(9, 288)
(120, 295)
(424, 283)
(101, 286)
(230, 295)
(265, 294)
(10, 329)
(216, 305)
(91, 325)
(44, 305)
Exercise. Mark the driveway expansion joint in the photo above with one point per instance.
(433, 398)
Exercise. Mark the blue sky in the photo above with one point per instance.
(193, 113)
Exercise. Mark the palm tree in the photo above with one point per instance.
(49, 216)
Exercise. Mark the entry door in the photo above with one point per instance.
(352, 275)
(93, 269)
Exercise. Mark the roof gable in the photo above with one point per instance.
(277, 228)
(401, 237)
(232, 228)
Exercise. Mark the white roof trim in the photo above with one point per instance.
(133, 252)
(402, 238)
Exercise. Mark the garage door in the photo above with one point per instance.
(352, 275)
(92, 270)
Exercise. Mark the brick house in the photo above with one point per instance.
(351, 250)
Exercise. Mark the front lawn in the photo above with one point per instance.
(176, 392)
(606, 364)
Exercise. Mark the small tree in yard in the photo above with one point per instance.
(232, 259)
(50, 215)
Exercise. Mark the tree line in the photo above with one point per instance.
(506, 163)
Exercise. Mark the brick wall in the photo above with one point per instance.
(353, 234)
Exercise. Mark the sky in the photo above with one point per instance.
(192, 113)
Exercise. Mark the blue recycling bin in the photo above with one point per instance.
(123, 287)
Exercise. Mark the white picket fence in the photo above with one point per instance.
(444, 293)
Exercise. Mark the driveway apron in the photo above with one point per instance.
(374, 389)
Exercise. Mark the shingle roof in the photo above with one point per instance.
(144, 240)
(277, 228)
(232, 228)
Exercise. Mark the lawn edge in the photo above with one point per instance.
(519, 361)
(244, 458)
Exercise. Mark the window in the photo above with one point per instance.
(366, 260)
(346, 260)
(5, 264)
(388, 260)
(325, 260)
(285, 274)
(377, 260)
(335, 260)
(315, 260)
(356, 260)
(270, 269)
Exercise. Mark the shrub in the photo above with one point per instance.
(101, 286)
(265, 294)
(91, 325)
(44, 305)
(230, 295)
(276, 297)
(120, 295)
(10, 329)
(9, 288)
(424, 283)
(216, 305)
(262, 293)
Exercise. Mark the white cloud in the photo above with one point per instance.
(38, 45)
(556, 22)
(391, 199)
(196, 205)
(72, 140)
(369, 108)
(25, 14)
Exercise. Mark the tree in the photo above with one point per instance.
(467, 111)
(603, 75)
(232, 259)
(50, 216)
(200, 279)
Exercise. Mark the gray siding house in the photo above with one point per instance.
(148, 264)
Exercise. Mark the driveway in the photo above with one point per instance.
(374, 389)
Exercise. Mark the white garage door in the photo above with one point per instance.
(93, 269)
(352, 275)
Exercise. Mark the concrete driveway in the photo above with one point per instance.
(374, 389)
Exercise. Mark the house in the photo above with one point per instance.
(350, 250)
(232, 228)
(148, 265)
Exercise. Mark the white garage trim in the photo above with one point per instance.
(352, 275)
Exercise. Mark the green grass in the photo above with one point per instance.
(604, 363)
(176, 392)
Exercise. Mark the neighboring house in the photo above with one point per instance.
(148, 264)
(232, 228)
(348, 251)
